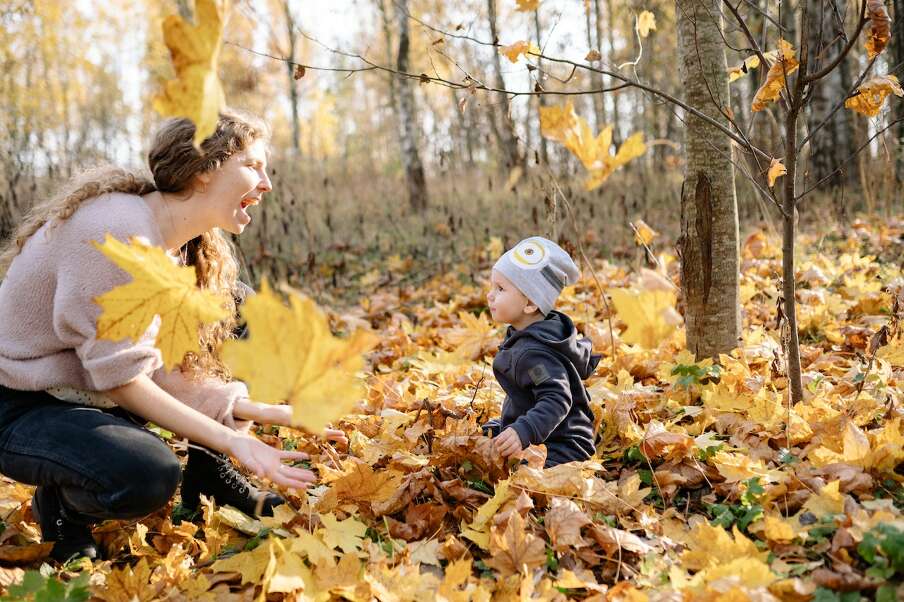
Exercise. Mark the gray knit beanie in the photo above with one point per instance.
(540, 269)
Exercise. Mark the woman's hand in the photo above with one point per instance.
(267, 413)
(265, 461)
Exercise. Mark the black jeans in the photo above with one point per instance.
(104, 463)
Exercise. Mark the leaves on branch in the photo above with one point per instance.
(871, 95)
(784, 65)
(527, 5)
(514, 51)
(776, 170)
(646, 22)
(879, 28)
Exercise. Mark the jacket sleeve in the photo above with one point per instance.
(546, 379)
(210, 396)
(83, 274)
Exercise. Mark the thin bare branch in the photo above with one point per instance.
(812, 77)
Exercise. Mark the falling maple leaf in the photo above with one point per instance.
(646, 22)
(784, 65)
(158, 288)
(871, 95)
(776, 170)
(879, 28)
(291, 355)
(514, 51)
(562, 124)
(196, 92)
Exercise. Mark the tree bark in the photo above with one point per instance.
(409, 130)
(835, 141)
(502, 124)
(616, 111)
(709, 214)
(541, 99)
(290, 76)
(897, 50)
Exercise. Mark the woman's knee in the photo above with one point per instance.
(148, 485)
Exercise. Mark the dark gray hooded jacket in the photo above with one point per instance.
(541, 369)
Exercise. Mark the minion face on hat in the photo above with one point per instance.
(530, 254)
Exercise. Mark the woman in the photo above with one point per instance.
(73, 407)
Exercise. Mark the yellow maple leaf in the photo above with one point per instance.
(312, 548)
(196, 92)
(251, 565)
(562, 124)
(784, 65)
(828, 501)
(739, 71)
(776, 170)
(158, 288)
(526, 5)
(646, 22)
(475, 337)
(643, 233)
(130, 584)
(347, 535)
(649, 315)
(710, 546)
(740, 467)
(778, 529)
(514, 51)
(871, 95)
(291, 355)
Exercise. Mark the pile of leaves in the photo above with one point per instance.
(706, 485)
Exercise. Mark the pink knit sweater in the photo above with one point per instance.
(48, 316)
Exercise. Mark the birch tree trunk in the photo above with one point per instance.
(709, 214)
(292, 37)
(409, 130)
(503, 126)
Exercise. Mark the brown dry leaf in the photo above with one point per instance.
(516, 550)
(593, 55)
(514, 51)
(365, 484)
(871, 95)
(612, 539)
(527, 5)
(879, 28)
(26, 554)
(776, 170)
(563, 522)
(659, 443)
(784, 65)
(751, 62)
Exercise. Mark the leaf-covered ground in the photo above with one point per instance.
(707, 484)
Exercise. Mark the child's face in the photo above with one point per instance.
(507, 303)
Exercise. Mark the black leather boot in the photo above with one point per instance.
(71, 538)
(214, 475)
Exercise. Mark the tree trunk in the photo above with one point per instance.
(290, 77)
(897, 50)
(832, 144)
(503, 126)
(410, 130)
(616, 112)
(599, 104)
(709, 214)
(541, 99)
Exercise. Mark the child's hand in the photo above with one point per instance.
(508, 443)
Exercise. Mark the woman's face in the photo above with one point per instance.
(237, 185)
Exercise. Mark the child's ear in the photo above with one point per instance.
(530, 308)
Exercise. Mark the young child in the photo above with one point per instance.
(541, 362)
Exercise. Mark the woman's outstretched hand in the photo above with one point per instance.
(267, 462)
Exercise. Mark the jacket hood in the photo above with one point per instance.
(557, 331)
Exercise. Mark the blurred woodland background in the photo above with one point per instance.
(77, 78)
